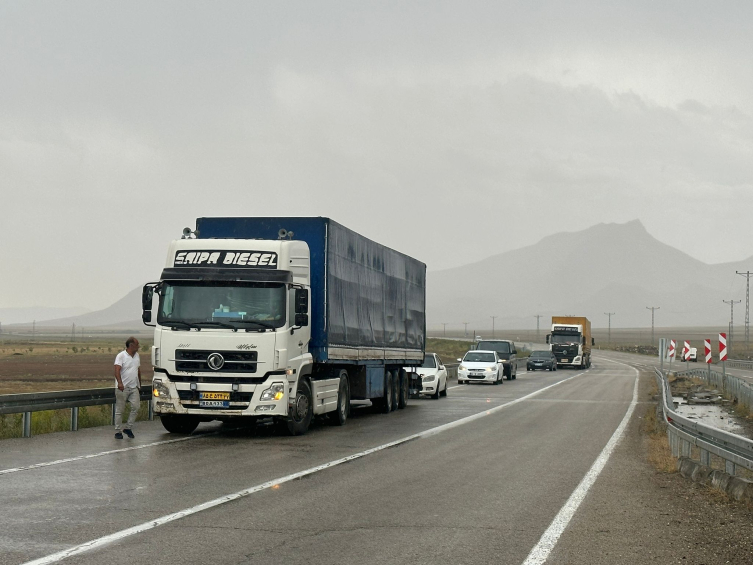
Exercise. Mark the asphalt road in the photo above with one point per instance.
(476, 477)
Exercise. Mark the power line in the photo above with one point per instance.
(731, 320)
(746, 274)
(609, 333)
(652, 308)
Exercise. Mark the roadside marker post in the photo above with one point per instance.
(672, 349)
(707, 352)
(662, 353)
(723, 353)
(686, 353)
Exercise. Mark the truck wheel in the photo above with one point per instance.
(402, 400)
(387, 398)
(177, 424)
(395, 389)
(339, 416)
(300, 414)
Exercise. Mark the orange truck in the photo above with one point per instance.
(571, 341)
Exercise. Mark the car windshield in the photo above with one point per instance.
(222, 304)
(565, 338)
(498, 346)
(475, 357)
(541, 354)
(429, 362)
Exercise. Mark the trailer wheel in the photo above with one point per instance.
(402, 400)
(385, 404)
(300, 414)
(339, 416)
(178, 424)
(395, 390)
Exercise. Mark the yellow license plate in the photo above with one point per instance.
(214, 396)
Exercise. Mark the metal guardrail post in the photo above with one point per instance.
(685, 448)
(74, 419)
(730, 467)
(705, 458)
(27, 424)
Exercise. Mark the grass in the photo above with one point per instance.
(11, 425)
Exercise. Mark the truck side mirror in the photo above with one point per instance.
(301, 304)
(147, 298)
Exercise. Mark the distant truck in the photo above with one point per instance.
(285, 318)
(571, 341)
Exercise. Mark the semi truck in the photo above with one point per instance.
(282, 318)
(571, 341)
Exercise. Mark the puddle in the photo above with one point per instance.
(710, 415)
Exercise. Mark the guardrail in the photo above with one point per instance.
(684, 433)
(740, 364)
(73, 399)
(738, 388)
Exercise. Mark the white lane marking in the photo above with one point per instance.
(151, 524)
(540, 553)
(100, 454)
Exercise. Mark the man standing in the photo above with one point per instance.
(128, 383)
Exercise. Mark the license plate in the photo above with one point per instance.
(214, 404)
(565, 360)
(214, 396)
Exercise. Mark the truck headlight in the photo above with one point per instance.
(577, 359)
(275, 392)
(160, 390)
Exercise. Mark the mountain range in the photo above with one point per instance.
(616, 268)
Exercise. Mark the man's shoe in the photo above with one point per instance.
(118, 435)
(129, 433)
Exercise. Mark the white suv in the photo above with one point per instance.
(480, 366)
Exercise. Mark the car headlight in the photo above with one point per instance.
(429, 378)
(160, 390)
(490, 369)
(275, 392)
(461, 368)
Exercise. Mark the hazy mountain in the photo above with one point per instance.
(617, 268)
(24, 315)
(125, 312)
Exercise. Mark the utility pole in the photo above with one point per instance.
(493, 318)
(465, 334)
(609, 332)
(444, 329)
(537, 316)
(652, 308)
(746, 274)
(731, 321)
(33, 330)
(73, 332)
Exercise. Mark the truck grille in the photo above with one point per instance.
(195, 361)
(238, 400)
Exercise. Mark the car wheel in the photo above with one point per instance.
(444, 392)
(435, 396)
(515, 374)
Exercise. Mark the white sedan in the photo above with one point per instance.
(433, 376)
(480, 366)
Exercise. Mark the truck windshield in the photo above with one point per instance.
(222, 304)
(498, 346)
(566, 338)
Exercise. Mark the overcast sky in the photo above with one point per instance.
(448, 130)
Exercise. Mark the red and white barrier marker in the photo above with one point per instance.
(686, 351)
(722, 347)
(707, 349)
(672, 348)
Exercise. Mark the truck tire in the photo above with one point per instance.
(384, 404)
(300, 414)
(395, 390)
(179, 424)
(340, 415)
(402, 400)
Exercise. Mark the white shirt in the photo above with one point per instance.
(129, 369)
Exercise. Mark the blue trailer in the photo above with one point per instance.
(320, 315)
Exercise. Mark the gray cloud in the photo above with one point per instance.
(451, 131)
